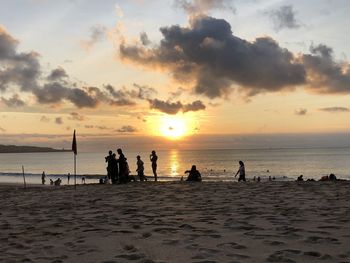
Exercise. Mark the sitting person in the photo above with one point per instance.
(51, 182)
(194, 174)
(58, 182)
(300, 178)
(331, 177)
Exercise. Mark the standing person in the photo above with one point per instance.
(140, 169)
(43, 176)
(115, 172)
(241, 172)
(109, 161)
(122, 167)
(154, 158)
(68, 177)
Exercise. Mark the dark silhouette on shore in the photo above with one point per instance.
(193, 175)
(154, 158)
(140, 169)
(114, 169)
(43, 177)
(241, 172)
(123, 167)
(68, 177)
(109, 161)
(300, 178)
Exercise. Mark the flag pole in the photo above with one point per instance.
(75, 171)
(75, 151)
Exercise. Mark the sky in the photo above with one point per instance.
(172, 70)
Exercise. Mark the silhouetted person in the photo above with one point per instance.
(83, 180)
(241, 172)
(123, 167)
(68, 177)
(259, 179)
(43, 176)
(332, 177)
(300, 178)
(140, 169)
(51, 182)
(194, 175)
(154, 158)
(114, 169)
(109, 161)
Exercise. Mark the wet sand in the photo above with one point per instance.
(177, 222)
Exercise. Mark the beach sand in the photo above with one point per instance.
(177, 222)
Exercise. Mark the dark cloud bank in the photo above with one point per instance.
(209, 55)
(23, 72)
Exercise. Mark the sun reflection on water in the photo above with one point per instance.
(174, 163)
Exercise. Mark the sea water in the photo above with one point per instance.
(217, 165)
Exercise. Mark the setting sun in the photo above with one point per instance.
(173, 127)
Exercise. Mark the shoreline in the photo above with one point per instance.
(177, 222)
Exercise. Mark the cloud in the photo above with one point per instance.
(202, 7)
(44, 119)
(174, 107)
(118, 11)
(325, 75)
(59, 120)
(211, 60)
(335, 109)
(207, 54)
(57, 74)
(75, 116)
(300, 112)
(20, 69)
(284, 18)
(127, 129)
(14, 101)
(144, 39)
(178, 92)
(97, 34)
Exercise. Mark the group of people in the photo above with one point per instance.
(118, 168)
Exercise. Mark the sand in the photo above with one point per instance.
(177, 222)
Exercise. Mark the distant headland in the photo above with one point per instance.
(27, 149)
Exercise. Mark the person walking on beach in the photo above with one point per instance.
(154, 158)
(140, 169)
(241, 172)
(68, 177)
(43, 177)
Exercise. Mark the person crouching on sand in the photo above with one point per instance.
(194, 175)
(241, 172)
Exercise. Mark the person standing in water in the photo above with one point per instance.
(154, 158)
(241, 172)
(43, 176)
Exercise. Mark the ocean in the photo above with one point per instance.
(217, 165)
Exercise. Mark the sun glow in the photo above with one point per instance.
(173, 127)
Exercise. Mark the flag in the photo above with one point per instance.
(74, 144)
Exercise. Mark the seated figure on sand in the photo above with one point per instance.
(300, 178)
(331, 177)
(58, 182)
(194, 175)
